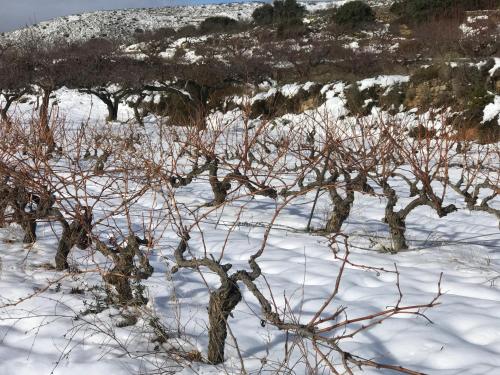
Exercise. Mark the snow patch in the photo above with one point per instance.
(382, 81)
(492, 110)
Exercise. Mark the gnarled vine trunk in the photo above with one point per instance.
(24, 215)
(219, 188)
(340, 212)
(77, 233)
(342, 205)
(395, 220)
(124, 268)
(222, 302)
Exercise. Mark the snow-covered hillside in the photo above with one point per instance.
(124, 23)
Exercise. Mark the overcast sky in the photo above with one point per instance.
(18, 13)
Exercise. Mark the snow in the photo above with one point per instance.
(382, 81)
(476, 18)
(492, 110)
(290, 90)
(267, 84)
(49, 334)
(264, 95)
(333, 89)
(191, 56)
(308, 85)
(168, 54)
(319, 5)
(473, 25)
(353, 45)
(493, 70)
(468, 30)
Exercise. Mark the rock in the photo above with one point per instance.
(277, 105)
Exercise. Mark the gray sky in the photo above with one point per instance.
(15, 14)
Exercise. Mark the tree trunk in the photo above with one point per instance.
(3, 112)
(9, 100)
(75, 234)
(395, 220)
(4, 202)
(398, 228)
(62, 253)
(219, 188)
(2, 215)
(46, 134)
(123, 269)
(112, 109)
(26, 220)
(340, 213)
(4, 117)
(44, 110)
(138, 117)
(222, 302)
(119, 277)
(64, 247)
(220, 193)
(29, 227)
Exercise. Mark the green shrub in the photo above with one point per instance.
(291, 30)
(425, 74)
(354, 13)
(288, 12)
(218, 24)
(423, 10)
(468, 82)
(474, 109)
(263, 15)
(282, 12)
(187, 31)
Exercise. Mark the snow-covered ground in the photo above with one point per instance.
(50, 333)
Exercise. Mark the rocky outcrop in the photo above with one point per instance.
(278, 104)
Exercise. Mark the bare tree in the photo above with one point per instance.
(428, 157)
(15, 79)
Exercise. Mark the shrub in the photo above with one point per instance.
(355, 100)
(161, 34)
(291, 30)
(425, 74)
(288, 12)
(187, 31)
(468, 82)
(354, 13)
(218, 24)
(282, 13)
(422, 10)
(393, 98)
(263, 15)
(474, 108)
